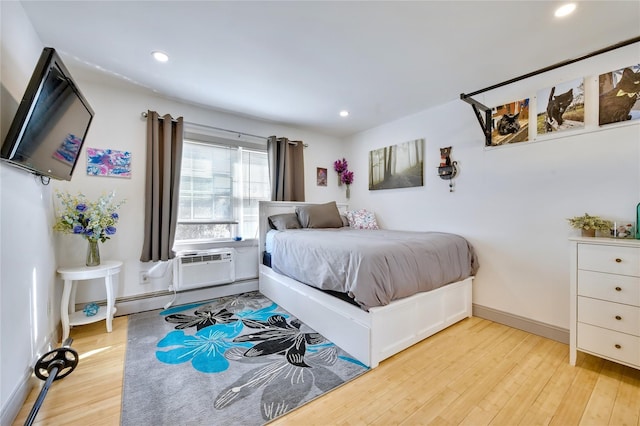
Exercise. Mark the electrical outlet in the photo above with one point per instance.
(144, 277)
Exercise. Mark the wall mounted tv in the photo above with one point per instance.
(51, 122)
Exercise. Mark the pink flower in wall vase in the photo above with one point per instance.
(347, 178)
(340, 166)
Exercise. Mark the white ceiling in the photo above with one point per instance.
(300, 62)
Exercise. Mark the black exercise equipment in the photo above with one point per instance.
(54, 365)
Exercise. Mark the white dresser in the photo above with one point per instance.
(605, 299)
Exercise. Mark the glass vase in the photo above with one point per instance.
(93, 253)
(348, 192)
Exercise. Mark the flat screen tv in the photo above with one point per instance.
(51, 122)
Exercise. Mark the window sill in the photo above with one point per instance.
(205, 245)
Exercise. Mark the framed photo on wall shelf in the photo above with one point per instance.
(618, 98)
(561, 107)
(510, 123)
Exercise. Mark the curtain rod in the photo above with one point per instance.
(144, 115)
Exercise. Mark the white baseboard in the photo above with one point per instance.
(15, 402)
(20, 394)
(521, 323)
(149, 302)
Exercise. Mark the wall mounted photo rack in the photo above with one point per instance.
(483, 112)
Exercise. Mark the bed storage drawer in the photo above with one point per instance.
(380, 333)
(317, 310)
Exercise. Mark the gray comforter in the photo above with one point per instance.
(373, 266)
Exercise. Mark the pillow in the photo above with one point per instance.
(319, 216)
(284, 221)
(362, 219)
(345, 220)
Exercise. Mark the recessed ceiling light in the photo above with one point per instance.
(160, 56)
(565, 10)
(344, 113)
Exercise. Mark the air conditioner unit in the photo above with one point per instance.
(204, 268)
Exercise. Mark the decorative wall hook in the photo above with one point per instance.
(448, 169)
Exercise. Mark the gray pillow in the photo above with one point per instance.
(319, 216)
(284, 221)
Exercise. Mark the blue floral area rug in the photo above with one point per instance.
(237, 360)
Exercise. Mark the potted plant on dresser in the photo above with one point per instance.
(590, 224)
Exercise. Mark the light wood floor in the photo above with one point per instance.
(474, 373)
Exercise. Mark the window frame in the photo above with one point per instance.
(238, 148)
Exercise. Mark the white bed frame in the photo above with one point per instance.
(372, 336)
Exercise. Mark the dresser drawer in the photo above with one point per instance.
(615, 288)
(610, 259)
(611, 344)
(614, 316)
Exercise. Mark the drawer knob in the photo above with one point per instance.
(618, 317)
(618, 260)
(617, 346)
(618, 289)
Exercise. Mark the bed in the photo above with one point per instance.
(369, 333)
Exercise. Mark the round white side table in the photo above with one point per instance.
(106, 270)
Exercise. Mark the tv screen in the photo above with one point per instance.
(51, 122)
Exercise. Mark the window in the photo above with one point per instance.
(220, 186)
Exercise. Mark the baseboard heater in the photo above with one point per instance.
(195, 269)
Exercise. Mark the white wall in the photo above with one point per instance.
(28, 317)
(118, 125)
(511, 202)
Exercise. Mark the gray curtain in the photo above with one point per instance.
(286, 169)
(164, 159)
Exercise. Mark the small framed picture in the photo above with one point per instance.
(108, 162)
(321, 176)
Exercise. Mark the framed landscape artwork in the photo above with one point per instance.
(397, 166)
